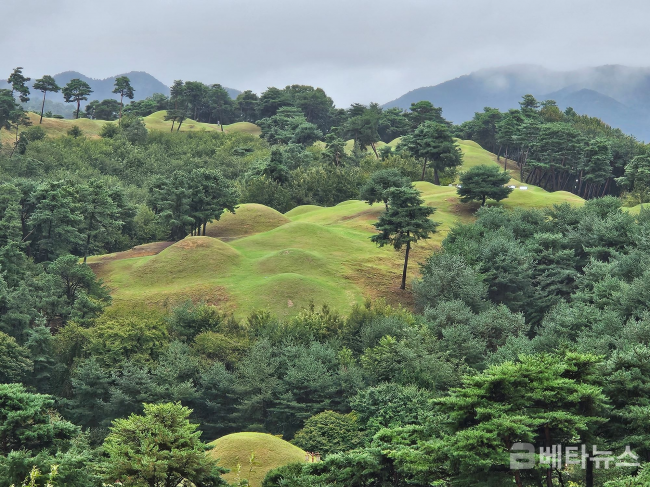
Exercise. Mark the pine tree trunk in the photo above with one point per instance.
(406, 263)
(78, 108)
(436, 177)
(87, 244)
(606, 186)
(589, 476)
(372, 144)
(579, 183)
(549, 471)
(424, 168)
(530, 175)
(42, 108)
(173, 122)
(15, 143)
(121, 105)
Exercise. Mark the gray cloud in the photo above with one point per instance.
(357, 50)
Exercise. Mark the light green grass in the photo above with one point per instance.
(234, 452)
(248, 219)
(156, 121)
(58, 127)
(635, 210)
(282, 270)
(55, 127)
(301, 210)
(282, 263)
(245, 127)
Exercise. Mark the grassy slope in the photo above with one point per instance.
(284, 262)
(248, 219)
(156, 121)
(270, 452)
(635, 210)
(91, 128)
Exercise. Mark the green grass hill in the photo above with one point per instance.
(248, 219)
(268, 452)
(635, 210)
(258, 258)
(55, 127)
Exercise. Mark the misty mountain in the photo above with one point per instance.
(143, 83)
(619, 95)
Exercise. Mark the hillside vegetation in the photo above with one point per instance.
(234, 285)
(258, 258)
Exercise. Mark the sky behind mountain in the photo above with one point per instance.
(357, 50)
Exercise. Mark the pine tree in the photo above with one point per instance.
(482, 182)
(433, 143)
(45, 84)
(159, 448)
(76, 91)
(17, 82)
(124, 89)
(375, 189)
(405, 222)
(99, 212)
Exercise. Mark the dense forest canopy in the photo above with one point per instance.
(526, 326)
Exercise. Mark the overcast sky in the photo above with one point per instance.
(356, 50)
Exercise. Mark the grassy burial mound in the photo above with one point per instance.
(56, 127)
(249, 456)
(259, 258)
(248, 219)
(282, 270)
(635, 210)
(156, 121)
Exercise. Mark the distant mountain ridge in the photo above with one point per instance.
(143, 83)
(619, 95)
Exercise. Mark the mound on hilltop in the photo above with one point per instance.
(191, 258)
(248, 219)
(269, 452)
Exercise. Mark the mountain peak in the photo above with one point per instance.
(619, 95)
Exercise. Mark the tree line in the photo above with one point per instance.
(552, 149)
(561, 151)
